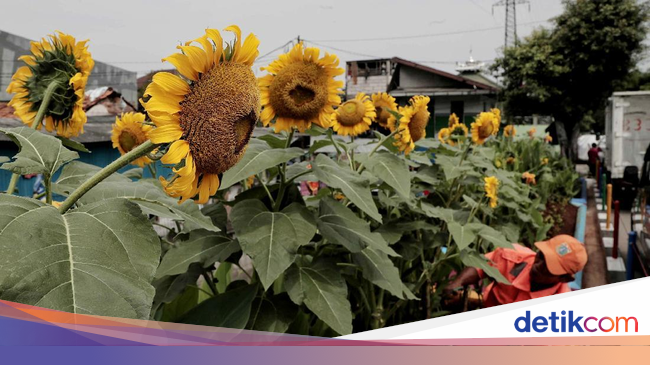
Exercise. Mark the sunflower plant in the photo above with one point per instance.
(313, 243)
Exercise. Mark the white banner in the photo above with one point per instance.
(599, 311)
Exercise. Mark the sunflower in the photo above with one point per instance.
(497, 115)
(300, 89)
(354, 116)
(548, 138)
(383, 102)
(129, 131)
(459, 131)
(531, 132)
(452, 134)
(61, 59)
(484, 126)
(453, 120)
(412, 124)
(208, 116)
(444, 135)
(509, 131)
(491, 189)
(529, 178)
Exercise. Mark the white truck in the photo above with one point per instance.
(627, 130)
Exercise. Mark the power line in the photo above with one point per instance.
(423, 35)
(479, 6)
(275, 49)
(342, 50)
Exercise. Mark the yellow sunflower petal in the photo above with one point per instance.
(183, 65)
(177, 151)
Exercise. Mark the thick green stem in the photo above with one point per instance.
(48, 190)
(336, 147)
(283, 172)
(379, 144)
(47, 96)
(107, 171)
(152, 170)
(454, 182)
(266, 189)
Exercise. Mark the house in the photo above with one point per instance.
(465, 94)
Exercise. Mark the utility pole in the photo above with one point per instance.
(511, 19)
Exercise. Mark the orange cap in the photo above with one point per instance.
(563, 254)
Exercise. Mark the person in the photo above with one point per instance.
(531, 275)
(593, 155)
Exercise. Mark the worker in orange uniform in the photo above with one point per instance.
(532, 275)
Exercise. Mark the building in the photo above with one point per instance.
(110, 91)
(13, 46)
(465, 94)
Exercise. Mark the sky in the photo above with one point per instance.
(136, 34)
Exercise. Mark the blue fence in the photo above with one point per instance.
(102, 154)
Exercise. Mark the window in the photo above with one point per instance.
(458, 108)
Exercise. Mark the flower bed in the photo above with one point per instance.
(365, 251)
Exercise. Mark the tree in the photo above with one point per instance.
(570, 70)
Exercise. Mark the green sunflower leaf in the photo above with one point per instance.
(475, 259)
(272, 314)
(39, 153)
(271, 239)
(377, 268)
(77, 146)
(340, 225)
(354, 186)
(323, 290)
(203, 246)
(231, 309)
(463, 235)
(259, 156)
(391, 169)
(146, 193)
(99, 259)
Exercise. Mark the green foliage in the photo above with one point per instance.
(98, 259)
(364, 252)
(39, 153)
(568, 71)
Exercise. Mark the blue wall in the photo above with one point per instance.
(102, 154)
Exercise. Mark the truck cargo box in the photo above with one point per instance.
(627, 129)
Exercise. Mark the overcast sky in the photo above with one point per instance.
(136, 34)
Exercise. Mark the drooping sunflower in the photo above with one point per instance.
(129, 131)
(529, 178)
(491, 189)
(300, 89)
(58, 59)
(509, 131)
(484, 126)
(443, 135)
(354, 116)
(412, 124)
(453, 134)
(453, 120)
(208, 115)
(459, 131)
(382, 102)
